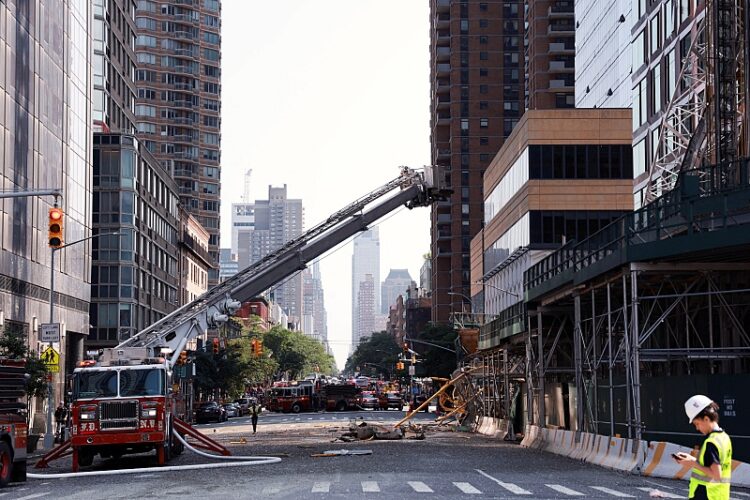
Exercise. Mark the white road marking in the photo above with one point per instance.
(513, 488)
(663, 494)
(741, 494)
(420, 487)
(321, 487)
(370, 487)
(35, 495)
(271, 490)
(614, 493)
(467, 488)
(565, 491)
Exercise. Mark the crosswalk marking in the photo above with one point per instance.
(565, 491)
(321, 487)
(741, 494)
(270, 490)
(467, 488)
(420, 487)
(662, 494)
(614, 493)
(370, 487)
(35, 495)
(508, 486)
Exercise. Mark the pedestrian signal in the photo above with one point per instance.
(55, 226)
(182, 360)
(216, 346)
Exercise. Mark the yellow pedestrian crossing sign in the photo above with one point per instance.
(51, 358)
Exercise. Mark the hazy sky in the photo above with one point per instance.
(328, 97)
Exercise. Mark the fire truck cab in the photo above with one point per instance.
(122, 404)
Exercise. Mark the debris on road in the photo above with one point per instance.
(339, 453)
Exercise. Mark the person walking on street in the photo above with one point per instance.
(60, 417)
(712, 469)
(255, 410)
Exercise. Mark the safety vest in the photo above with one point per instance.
(716, 490)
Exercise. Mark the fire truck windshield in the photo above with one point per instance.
(92, 384)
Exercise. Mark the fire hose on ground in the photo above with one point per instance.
(237, 461)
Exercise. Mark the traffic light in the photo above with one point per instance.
(254, 347)
(55, 234)
(260, 347)
(399, 366)
(182, 360)
(216, 346)
(406, 347)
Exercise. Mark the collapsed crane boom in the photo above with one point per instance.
(172, 332)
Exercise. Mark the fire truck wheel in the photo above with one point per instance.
(6, 464)
(18, 474)
(296, 408)
(85, 458)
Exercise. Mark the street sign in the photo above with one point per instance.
(51, 358)
(49, 332)
(411, 370)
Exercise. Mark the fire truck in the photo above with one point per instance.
(122, 403)
(13, 427)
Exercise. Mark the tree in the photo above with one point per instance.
(13, 346)
(376, 354)
(437, 362)
(296, 353)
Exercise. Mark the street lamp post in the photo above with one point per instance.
(49, 439)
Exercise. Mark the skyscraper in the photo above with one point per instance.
(314, 303)
(366, 307)
(243, 224)
(178, 106)
(365, 261)
(277, 220)
(45, 132)
(395, 284)
(477, 88)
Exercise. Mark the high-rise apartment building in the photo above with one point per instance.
(178, 106)
(313, 310)
(603, 57)
(114, 66)
(550, 53)
(365, 261)
(276, 221)
(477, 92)
(395, 284)
(366, 307)
(45, 133)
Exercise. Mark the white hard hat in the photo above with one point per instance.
(695, 405)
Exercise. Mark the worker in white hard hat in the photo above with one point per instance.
(712, 469)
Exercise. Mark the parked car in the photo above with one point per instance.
(232, 409)
(210, 411)
(368, 399)
(390, 399)
(244, 404)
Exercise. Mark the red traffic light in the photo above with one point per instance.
(216, 346)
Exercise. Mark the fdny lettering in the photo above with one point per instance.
(147, 424)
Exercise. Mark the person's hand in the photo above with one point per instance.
(683, 458)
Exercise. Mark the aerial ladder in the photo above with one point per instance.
(122, 402)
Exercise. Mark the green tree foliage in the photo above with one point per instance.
(296, 353)
(13, 346)
(436, 362)
(376, 355)
(223, 372)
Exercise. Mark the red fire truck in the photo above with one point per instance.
(122, 403)
(13, 427)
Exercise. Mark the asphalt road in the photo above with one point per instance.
(445, 464)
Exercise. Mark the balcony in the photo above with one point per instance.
(561, 48)
(560, 85)
(561, 9)
(192, 244)
(183, 104)
(562, 66)
(443, 53)
(443, 39)
(443, 86)
(186, 18)
(442, 102)
(182, 35)
(443, 118)
(561, 29)
(444, 20)
(443, 6)
(443, 69)
(444, 154)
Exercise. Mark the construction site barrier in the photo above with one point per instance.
(653, 459)
(494, 427)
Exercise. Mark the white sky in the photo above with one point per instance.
(328, 97)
